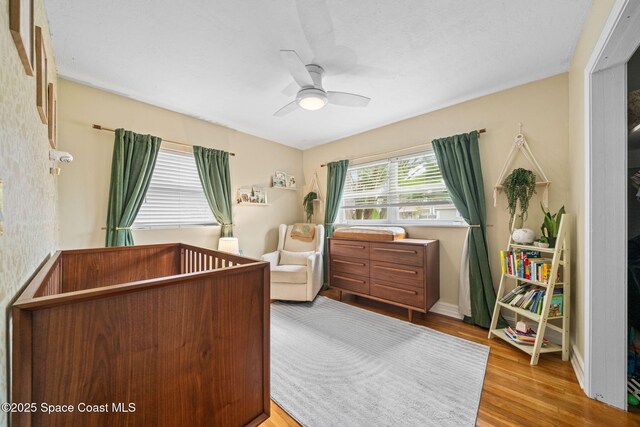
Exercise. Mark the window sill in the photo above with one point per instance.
(434, 224)
(172, 227)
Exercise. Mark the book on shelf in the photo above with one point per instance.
(525, 338)
(526, 264)
(529, 297)
(557, 305)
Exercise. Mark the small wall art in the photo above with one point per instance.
(253, 195)
(21, 27)
(279, 180)
(41, 76)
(283, 180)
(52, 115)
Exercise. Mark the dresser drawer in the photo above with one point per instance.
(398, 253)
(357, 266)
(349, 248)
(407, 274)
(397, 292)
(349, 282)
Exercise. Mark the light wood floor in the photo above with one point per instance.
(514, 393)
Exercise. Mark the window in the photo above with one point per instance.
(175, 197)
(407, 189)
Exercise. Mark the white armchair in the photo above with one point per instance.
(296, 282)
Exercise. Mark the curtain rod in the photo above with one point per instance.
(99, 127)
(402, 149)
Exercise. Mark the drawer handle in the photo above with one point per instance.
(339, 261)
(349, 279)
(396, 289)
(399, 270)
(405, 251)
(350, 246)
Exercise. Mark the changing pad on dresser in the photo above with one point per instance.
(372, 234)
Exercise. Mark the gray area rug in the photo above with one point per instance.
(333, 364)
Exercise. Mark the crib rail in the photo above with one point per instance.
(52, 282)
(195, 260)
(48, 280)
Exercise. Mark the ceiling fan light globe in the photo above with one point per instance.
(312, 103)
(311, 99)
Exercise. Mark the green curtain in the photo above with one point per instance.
(459, 161)
(134, 158)
(336, 176)
(213, 169)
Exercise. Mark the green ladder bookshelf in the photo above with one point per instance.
(561, 257)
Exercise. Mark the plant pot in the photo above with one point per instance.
(541, 245)
(552, 241)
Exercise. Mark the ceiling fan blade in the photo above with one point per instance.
(348, 99)
(296, 67)
(290, 90)
(286, 109)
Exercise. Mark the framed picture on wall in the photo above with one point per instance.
(244, 195)
(21, 27)
(52, 114)
(253, 195)
(42, 85)
(279, 180)
(259, 195)
(291, 181)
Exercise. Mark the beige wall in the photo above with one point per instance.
(541, 106)
(84, 184)
(30, 192)
(600, 10)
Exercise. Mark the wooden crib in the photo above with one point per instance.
(153, 335)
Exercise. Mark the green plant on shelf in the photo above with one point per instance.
(308, 204)
(519, 187)
(551, 225)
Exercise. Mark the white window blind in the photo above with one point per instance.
(401, 189)
(175, 197)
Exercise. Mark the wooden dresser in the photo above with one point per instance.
(404, 272)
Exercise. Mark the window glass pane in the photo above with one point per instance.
(408, 188)
(370, 214)
(437, 212)
(425, 197)
(175, 196)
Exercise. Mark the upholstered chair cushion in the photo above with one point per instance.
(294, 258)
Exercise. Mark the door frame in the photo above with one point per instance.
(605, 225)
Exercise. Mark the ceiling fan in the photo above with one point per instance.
(312, 95)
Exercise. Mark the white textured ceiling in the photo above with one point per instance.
(219, 60)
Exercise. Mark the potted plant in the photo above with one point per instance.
(551, 225)
(519, 187)
(542, 242)
(307, 203)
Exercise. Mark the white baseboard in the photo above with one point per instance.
(446, 309)
(578, 365)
